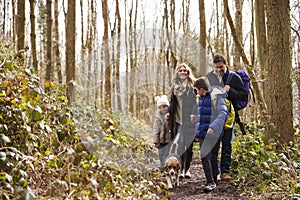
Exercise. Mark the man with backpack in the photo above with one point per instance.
(236, 92)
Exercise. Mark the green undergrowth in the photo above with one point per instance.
(264, 168)
(49, 150)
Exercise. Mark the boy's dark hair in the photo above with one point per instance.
(202, 82)
(219, 58)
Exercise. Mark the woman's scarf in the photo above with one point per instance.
(180, 87)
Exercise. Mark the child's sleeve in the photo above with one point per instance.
(156, 130)
(221, 115)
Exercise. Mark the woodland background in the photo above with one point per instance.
(116, 56)
(108, 56)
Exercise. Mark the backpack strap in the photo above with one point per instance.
(229, 77)
(237, 116)
(238, 121)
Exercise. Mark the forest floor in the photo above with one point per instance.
(192, 189)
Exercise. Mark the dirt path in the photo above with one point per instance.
(192, 189)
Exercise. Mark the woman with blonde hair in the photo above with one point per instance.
(182, 114)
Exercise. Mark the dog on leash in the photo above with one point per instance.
(172, 165)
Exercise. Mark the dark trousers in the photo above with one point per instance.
(186, 158)
(226, 151)
(209, 149)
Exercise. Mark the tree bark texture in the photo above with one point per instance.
(49, 70)
(20, 25)
(107, 71)
(56, 45)
(71, 51)
(279, 83)
(202, 38)
(33, 35)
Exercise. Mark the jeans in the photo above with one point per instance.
(210, 158)
(226, 151)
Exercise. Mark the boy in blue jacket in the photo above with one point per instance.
(211, 116)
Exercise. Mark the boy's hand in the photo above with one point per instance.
(210, 131)
(156, 145)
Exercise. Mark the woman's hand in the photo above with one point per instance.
(167, 116)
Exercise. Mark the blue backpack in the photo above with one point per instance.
(240, 104)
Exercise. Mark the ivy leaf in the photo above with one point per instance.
(4, 139)
(9, 65)
(27, 195)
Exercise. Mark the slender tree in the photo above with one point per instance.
(20, 25)
(107, 71)
(33, 35)
(56, 45)
(239, 30)
(14, 18)
(118, 56)
(261, 36)
(202, 38)
(49, 70)
(71, 50)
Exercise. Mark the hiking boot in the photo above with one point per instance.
(225, 176)
(187, 174)
(181, 176)
(209, 187)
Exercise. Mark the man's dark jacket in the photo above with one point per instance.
(237, 90)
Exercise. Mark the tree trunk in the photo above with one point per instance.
(239, 31)
(107, 71)
(56, 45)
(49, 69)
(71, 51)
(279, 83)
(90, 38)
(33, 35)
(14, 24)
(20, 25)
(118, 56)
(202, 38)
(261, 38)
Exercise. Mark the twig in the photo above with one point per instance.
(3, 62)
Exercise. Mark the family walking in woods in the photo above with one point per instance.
(198, 112)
